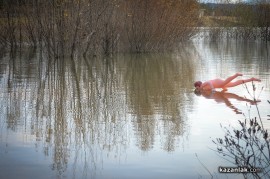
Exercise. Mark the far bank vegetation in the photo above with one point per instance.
(240, 20)
(97, 26)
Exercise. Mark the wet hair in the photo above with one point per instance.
(197, 84)
(197, 92)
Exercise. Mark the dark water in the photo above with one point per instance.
(127, 116)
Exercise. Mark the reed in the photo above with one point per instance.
(247, 145)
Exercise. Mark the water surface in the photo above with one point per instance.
(126, 116)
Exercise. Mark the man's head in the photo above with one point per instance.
(197, 91)
(197, 84)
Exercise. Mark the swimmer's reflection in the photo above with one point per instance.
(224, 97)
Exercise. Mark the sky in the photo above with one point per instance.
(223, 1)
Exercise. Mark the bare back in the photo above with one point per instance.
(218, 83)
(215, 83)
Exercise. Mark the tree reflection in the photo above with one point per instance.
(155, 85)
(253, 53)
(79, 109)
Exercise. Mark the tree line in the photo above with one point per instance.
(252, 20)
(97, 26)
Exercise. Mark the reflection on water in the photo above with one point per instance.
(88, 115)
(251, 58)
(78, 109)
(155, 90)
(225, 97)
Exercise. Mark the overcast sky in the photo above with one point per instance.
(231, 1)
(223, 1)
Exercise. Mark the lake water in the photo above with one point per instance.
(127, 116)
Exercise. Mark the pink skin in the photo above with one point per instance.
(227, 83)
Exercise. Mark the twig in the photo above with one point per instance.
(203, 165)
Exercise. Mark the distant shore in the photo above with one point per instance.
(219, 21)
